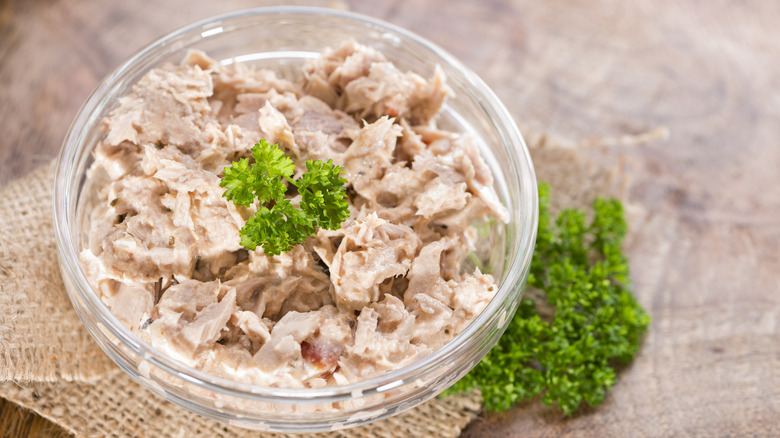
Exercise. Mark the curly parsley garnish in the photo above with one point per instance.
(571, 357)
(278, 225)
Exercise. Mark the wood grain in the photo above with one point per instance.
(19, 422)
(705, 255)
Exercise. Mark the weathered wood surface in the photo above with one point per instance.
(706, 261)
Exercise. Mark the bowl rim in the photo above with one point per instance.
(68, 255)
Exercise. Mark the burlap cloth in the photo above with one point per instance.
(51, 365)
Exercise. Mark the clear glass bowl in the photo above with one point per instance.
(282, 39)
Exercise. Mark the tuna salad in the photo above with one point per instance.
(386, 289)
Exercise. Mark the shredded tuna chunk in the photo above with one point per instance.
(371, 251)
(387, 288)
(360, 81)
(169, 105)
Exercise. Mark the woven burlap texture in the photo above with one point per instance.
(49, 363)
(41, 338)
(118, 407)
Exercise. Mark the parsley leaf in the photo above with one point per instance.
(570, 358)
(323, 194)
(267, 189)
(278, 225)
(271, 161)
(277, 229)
(240, 183)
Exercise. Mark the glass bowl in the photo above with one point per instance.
(281, 39)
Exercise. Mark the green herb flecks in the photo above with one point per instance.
(278, 225)
(597, 323)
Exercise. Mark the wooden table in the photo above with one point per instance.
(706, 261)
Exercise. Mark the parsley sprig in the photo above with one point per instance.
(597, 323)
(278, 225)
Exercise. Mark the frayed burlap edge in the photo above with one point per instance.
(578, 172)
